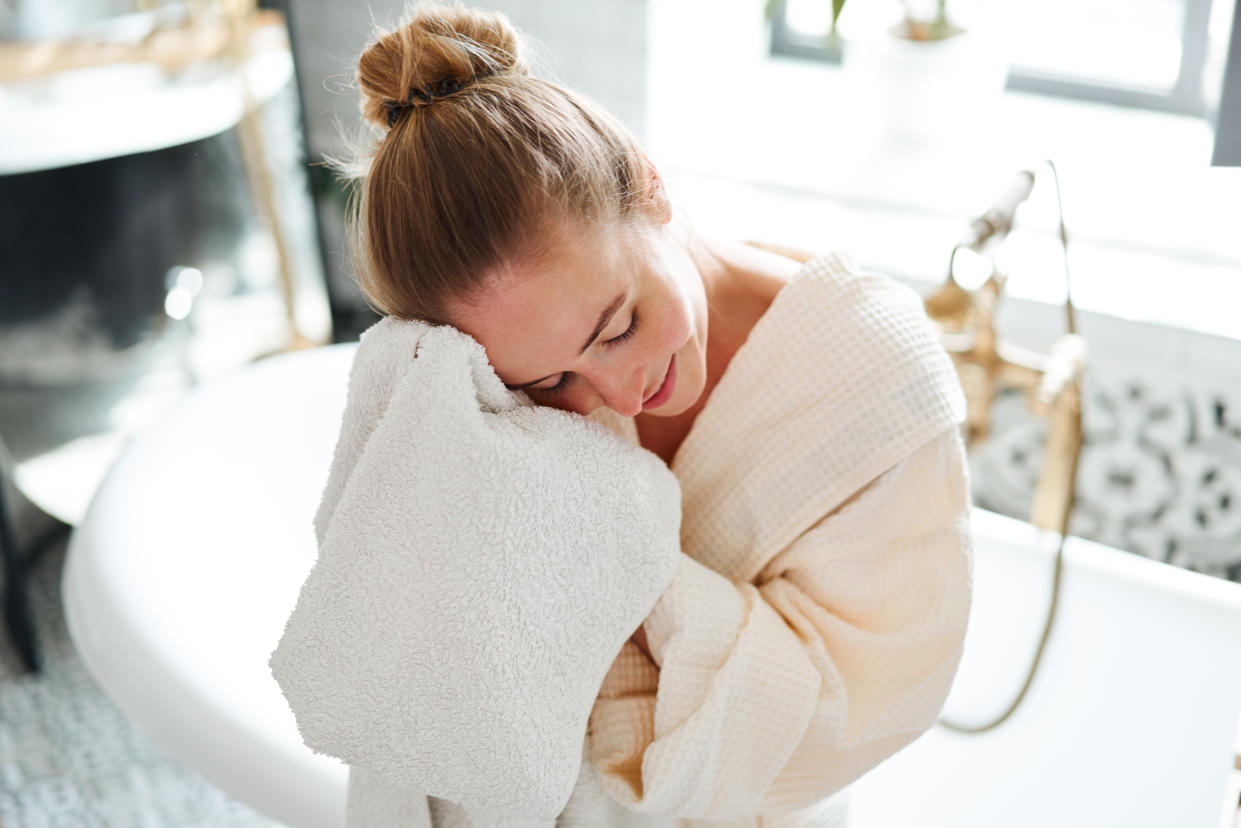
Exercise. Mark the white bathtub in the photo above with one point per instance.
(180, 578)
(1131, 720)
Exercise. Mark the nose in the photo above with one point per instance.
(624, 393)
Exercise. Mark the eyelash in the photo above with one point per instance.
(633, 327)
(558, 387)
(616, 340)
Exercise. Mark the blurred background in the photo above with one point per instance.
(165, 221)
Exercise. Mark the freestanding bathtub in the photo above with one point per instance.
(180, 578)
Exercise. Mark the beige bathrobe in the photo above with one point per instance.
(816, 621)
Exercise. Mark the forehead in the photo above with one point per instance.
(534, 314)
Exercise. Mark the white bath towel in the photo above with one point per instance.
(482, 561)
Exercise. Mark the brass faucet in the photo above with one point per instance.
(988, 364)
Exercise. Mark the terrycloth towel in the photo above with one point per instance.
(481, 563)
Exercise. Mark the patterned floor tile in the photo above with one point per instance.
(69, 758)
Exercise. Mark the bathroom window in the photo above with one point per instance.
(1142, 53)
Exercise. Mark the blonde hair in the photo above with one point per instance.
(475, 157)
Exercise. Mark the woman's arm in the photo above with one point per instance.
(774, 694)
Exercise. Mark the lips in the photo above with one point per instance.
(665, 389)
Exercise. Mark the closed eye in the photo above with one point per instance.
(559, 386)
(616, 340)
(633, 327)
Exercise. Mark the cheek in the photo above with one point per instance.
(675, 325)
(578, 400)
(582, 402)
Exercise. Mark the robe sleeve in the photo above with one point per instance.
(769, 695)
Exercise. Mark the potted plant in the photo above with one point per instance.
(921, 23)
(924, 76)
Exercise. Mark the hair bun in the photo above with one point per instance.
(438, 47)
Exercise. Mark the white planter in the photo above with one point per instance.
(925, 90)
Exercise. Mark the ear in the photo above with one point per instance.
(655, 197)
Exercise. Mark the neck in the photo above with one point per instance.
(722, 288)
(709, 258)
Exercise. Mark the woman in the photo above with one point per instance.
(816, 622)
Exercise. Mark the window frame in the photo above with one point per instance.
(1185, 97)
(1227, 151)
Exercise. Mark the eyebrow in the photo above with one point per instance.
(604, 318)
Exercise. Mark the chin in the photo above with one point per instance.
(668, 410)
(690, 392)
(677, 405)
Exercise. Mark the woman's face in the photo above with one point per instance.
(600, 316)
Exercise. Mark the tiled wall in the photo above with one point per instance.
(1160, 469)
(598, 48)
